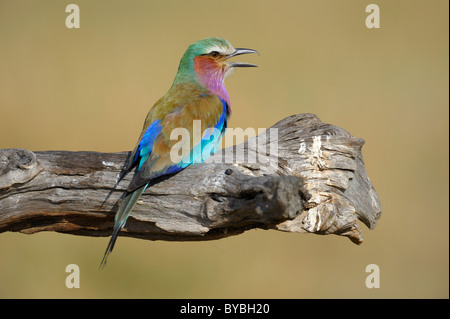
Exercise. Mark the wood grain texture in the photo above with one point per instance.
(314, 181)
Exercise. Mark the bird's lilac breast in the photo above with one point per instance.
(211, 74)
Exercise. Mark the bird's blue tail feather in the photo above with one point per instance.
(121, 217)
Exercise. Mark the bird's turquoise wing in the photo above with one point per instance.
(153, 156)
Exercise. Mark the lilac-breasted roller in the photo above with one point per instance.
(197, 94)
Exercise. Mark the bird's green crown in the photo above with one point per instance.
(186, 69)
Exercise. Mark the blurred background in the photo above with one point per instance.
(90, 89)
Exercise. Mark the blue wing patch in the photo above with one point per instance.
(209, 144)
(146, 143)
(211, 140)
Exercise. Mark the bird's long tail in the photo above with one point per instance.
(121, 217)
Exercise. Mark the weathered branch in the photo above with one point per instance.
(316, 182)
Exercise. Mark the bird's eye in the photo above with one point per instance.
(214, 54)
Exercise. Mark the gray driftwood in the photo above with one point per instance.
(315, 183)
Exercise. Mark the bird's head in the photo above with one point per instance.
(206, 61)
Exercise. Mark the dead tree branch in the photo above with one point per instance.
(313, 182)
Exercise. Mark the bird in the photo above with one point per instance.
(197, 96)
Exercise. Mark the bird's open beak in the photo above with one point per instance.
(239, 51)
